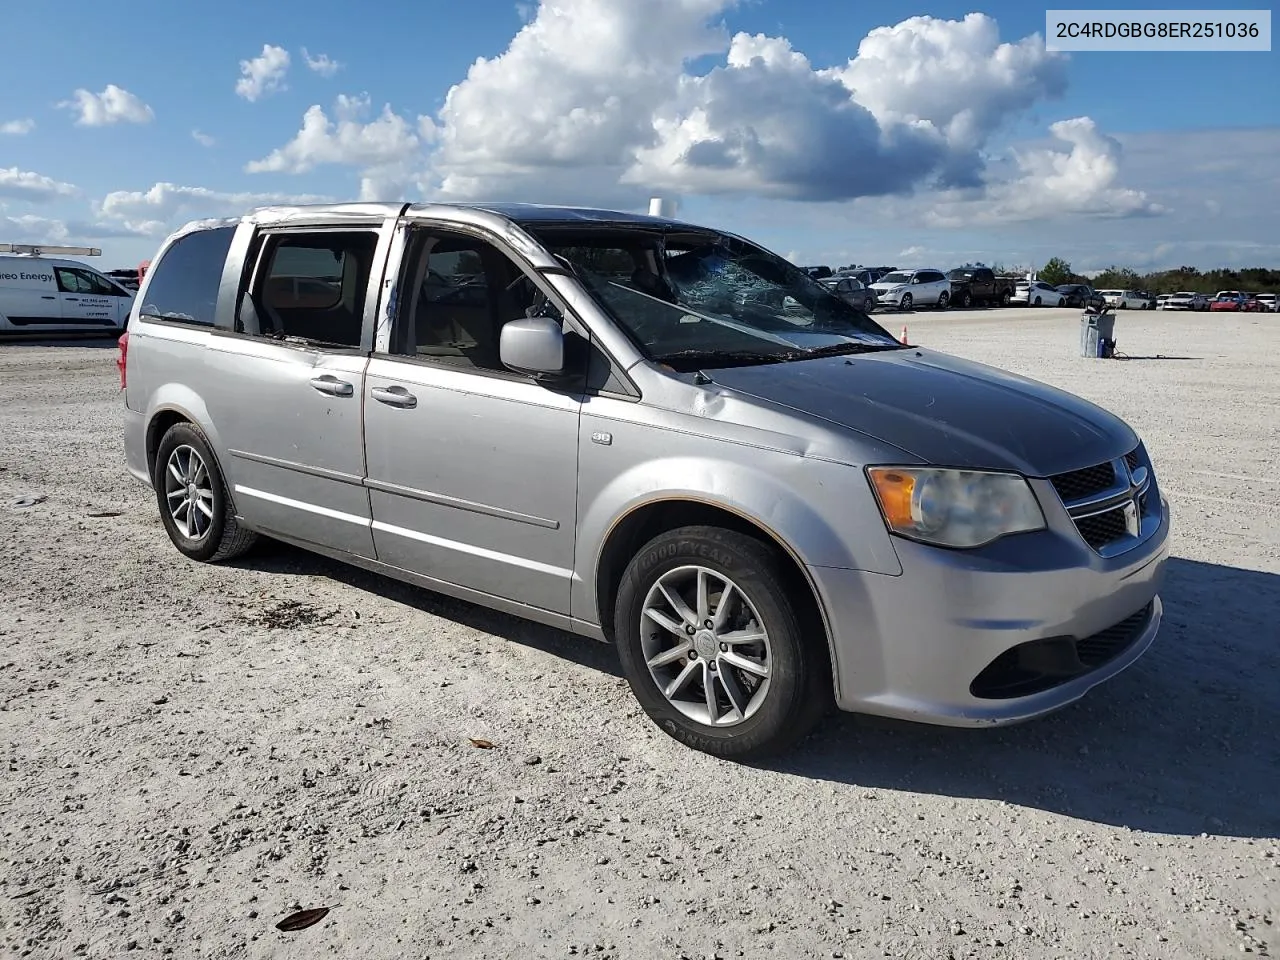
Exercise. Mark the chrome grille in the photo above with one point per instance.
(1109, 501)
(1102, 528)
(1080, 484)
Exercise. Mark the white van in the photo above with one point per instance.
(40, 295)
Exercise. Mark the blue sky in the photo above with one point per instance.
(1175, 162)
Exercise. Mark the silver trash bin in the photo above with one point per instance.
(1097, 334)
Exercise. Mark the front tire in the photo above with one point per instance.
(966, 301)
(714, 649)
(905, 302)
(195, 508)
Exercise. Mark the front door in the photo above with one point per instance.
(472, 469)
(87, 300)
(285, 386)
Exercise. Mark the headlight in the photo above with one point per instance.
(954, 508)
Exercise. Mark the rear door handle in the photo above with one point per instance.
(49, 297)
(333, 386)
(70, 299)
(395, 397)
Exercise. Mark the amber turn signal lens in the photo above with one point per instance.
(894, 489)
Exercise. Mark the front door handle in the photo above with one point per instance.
(49, 296)
(333, 386)
(395, 397)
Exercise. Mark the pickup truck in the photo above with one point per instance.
(970, 285)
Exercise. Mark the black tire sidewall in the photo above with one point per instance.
(796, 669)
(186, 433)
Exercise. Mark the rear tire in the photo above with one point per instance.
(678, 583)
(1005, 298)
(943, 299)
(195, 506)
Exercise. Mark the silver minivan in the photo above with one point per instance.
(650, 433)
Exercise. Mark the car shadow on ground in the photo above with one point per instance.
(274, 557)
(1183, 743)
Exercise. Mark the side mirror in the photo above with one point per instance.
(532, 346)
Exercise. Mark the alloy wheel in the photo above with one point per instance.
(188, 491)
(705, 646)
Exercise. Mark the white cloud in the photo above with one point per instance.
(51, 230)
(1055, 182)
(593, 97)
(17, 128)
(264, 74)
(202, 138)
(572, 97)
(385, 149)
(28, 185)
(165, 204)
(321, 63)
(113, 105)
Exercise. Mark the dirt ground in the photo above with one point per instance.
(193, 752)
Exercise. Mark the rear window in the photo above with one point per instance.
(184, 285)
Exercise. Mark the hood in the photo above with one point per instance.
(943, 410)
(882, 286)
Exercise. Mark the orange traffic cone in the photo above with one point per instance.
(903, 338)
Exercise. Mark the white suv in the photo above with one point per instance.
(905, 289)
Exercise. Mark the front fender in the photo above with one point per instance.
(823, 513)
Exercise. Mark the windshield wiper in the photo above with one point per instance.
(727, 358)
(723, 358)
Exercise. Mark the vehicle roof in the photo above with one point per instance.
(49, 261)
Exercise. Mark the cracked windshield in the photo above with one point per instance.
(700, 300)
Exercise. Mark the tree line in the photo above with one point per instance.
(1248, 279)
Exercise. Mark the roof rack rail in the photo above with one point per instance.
(39, 249)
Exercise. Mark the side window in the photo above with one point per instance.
(311, 286)
(92, 283)
(183, 286)
(459, 292)
(69, 281)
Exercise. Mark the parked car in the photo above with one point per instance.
(1269, 302)
(41, 295)
(852, 292)
(1236, 300)
(905, 289)
(127, 278)
(1037, 293)
(970, 285)
(1080, 295)
(617, 443)
(866, 276)
(1187, 300)
(1124, 299)
(1148, 300)
(818, 273)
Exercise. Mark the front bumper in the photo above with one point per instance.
(916, 646)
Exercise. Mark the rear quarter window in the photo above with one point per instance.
(184, 285)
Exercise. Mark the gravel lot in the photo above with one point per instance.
(194, 752)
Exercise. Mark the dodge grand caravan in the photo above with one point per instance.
(654, 434)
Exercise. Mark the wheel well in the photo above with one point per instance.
(642, 525)
(156, 430)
